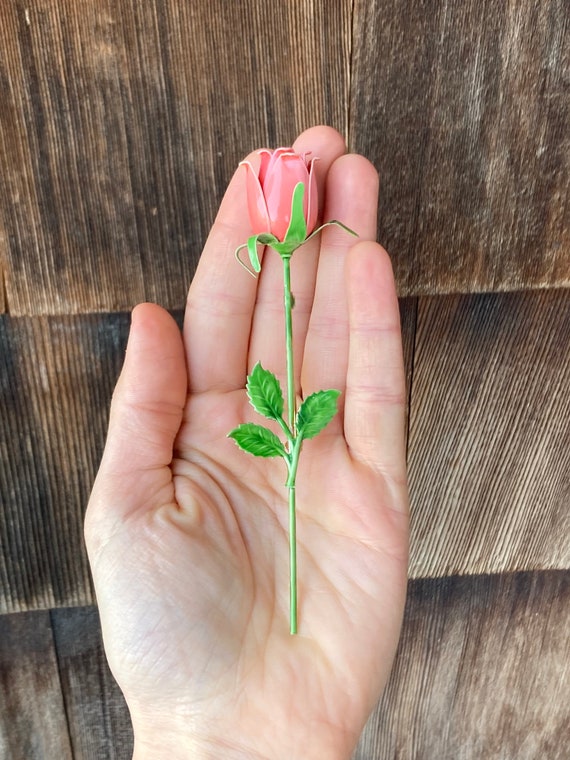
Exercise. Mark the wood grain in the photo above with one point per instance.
(122, 123)
(481, 672)
(56, 381)
(464, 109)
(489, 445)
(97, 715)
(2, 283)
(408, 317)
(33, 724)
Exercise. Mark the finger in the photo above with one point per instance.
(146, 413)
(352, 198)
(267, 343)
(221, 298)
(375, 402)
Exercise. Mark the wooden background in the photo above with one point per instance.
(120, 125)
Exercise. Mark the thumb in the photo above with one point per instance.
(146, 413)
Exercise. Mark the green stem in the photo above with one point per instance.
(292, 562)
(291, 411)
(293, 463)
(289, 341)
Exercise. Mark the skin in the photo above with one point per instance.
(187, 535)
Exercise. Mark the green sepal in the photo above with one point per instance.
(264, 392)
(263, 238)
(285, 250)
(297, 230)
(337, 224)
(257, 440)
(315, 413)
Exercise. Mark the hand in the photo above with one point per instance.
(187, 534)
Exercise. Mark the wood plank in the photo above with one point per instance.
(33, 725)
(98, 717)
(122, 123)
(464, 110)
(2, 282)
(481, 672)
(408, 319)
(489, 445)
(2, 293)
(56, 380)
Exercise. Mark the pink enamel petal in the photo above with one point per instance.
(265, 160)
(276, 155)
(312, 207)
(287, 171)
(256, 206)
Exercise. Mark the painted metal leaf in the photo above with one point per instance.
(316, 411)
(257, 440)
(265, 393)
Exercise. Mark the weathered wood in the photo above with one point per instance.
(56, 381)
(98, 717)
(489, 444)
(122, 122)
(408, 316)
(33, 725)
(464, 109)
(2, 283)
(481, 672)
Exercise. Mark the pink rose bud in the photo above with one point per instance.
(270, 191)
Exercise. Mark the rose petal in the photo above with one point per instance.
(256, 205)
(312, 207)
(283, 174)
(265, 160)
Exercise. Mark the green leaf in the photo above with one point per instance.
(257, 440)
(265, 393)
(297, 230)
(315, 413)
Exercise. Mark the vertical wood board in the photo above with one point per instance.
(33, 724)
(481, 672)
(56, 381)
(489, 445)
(123, 122)
(98, 717)
(464, 110)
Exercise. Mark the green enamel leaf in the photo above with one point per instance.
(265, 393)
(297, 230)
(315, 413)
(257, 440)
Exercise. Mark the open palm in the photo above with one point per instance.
(188, 535)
